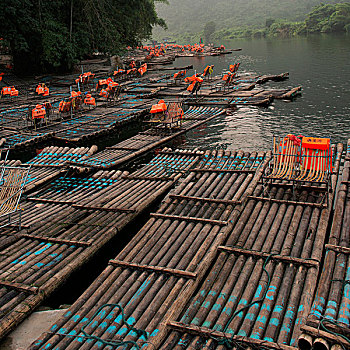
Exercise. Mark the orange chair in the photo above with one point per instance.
(316, 155)
(104, 93)
(42, 89)
(89, 100)
(39, 112)
(143, 69)
(14, 91)
(195, 86)
(286, 155)
(6, 91)
(160, 107)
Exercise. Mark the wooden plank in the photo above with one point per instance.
(48, 165)
(338, 249)
(165, 270)
(233, 171)
(113, 210)
(116, 148)
(209, 200)
(301, 187)
(284, 201)
(20, 287)
(49, 201)
(210, 333)
(54, 240)
(153, 178)
(175, 153)
(189, 218)
(283, 258)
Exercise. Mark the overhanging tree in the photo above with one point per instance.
(51, 35)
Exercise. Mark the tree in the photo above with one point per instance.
(209, 30)
(51, 35)
(269, 22)
(328, 18)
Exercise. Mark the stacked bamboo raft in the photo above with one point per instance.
(147, 140)
(215, 218)
(52, 162)
(154, 276)
(259, 291)
(68, 221)
(81, 128)
(92, 126)
(138, 95)
(242, 91)
(328, 324)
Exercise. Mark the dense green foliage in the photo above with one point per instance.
(209, 30)
(51, 35)
(187, 19)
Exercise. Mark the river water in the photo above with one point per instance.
(320, 64)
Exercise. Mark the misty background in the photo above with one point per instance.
(229, 19)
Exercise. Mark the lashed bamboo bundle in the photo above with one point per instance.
(328, 324)
(145, 141)
(51, 162)
(90, 126)
(66, 223)
(259, 291)
(155, 274)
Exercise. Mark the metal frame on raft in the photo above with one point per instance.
(300, 166)
(12, 181)
(171, 117)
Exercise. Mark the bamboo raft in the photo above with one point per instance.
(147, 140)
(328, 323)
(139, 95)
(66, 222)
(180, 281)
(52, 162)
(167, 259)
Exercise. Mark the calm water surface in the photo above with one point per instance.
(320, 64)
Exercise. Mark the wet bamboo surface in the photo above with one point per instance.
(155, 274)
(52, 162)
(147, 140)
(259, 290)
(328, 324)
(89, 126)
(92, 123)
(66, 222)
(139, 95)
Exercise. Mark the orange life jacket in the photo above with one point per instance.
(38, 112)
(6, 90)
(180, 74)
(192, 85)
(14, 91)
(46, 91)
(104, 93)
(89, 100)
(160, 107)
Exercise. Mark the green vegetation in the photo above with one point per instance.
(209, 30)
(187, 19)
(52, 35)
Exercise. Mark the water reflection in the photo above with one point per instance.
(320, 64)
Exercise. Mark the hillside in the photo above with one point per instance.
(190, 16)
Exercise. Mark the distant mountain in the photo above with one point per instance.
(190, 16)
